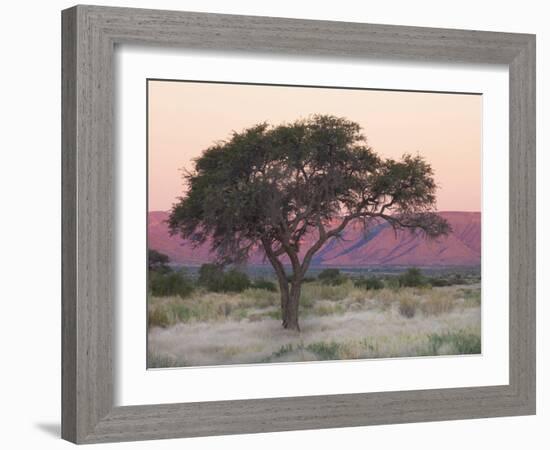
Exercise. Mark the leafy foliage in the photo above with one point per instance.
(264, 284)
(271, 185)
(171, 283)
(235, 281)
(157, 261)
(332, 277)
(369, 283)
(412, 278)
(213, 278)
(439, 282)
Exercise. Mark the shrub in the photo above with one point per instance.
(407, 307)
(211, 277)
(265, 284)
(412, 278)
(235, 281)
(327, 274)
(438, 282)
(332, 277)
(170, 283)
(457, 278)
(157, 260)
(392, 282)
(369, 283)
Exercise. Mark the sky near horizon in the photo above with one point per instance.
(185, 118)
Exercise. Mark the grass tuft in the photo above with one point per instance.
(460, 342)
(407, 307)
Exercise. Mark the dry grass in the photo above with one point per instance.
(338, 322)
(203, 306)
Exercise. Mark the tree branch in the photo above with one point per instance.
(275, 262)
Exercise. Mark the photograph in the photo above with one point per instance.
(291, 224)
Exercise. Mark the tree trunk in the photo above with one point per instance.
(285, 298)
(290, 295)
(290, 311)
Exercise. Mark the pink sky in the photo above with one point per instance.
(185, 118)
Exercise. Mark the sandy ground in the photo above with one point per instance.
(362, 334)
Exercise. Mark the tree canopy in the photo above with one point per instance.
(157, 260)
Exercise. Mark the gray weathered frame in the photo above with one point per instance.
(89, 36)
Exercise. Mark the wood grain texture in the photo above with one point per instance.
(68, 226)
(89, 36)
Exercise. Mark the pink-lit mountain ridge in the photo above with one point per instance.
(380, 246)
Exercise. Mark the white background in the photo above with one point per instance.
(30, 225)
(135, 386)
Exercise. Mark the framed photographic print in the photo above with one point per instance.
(278, 224)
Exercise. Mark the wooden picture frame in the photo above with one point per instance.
(90, 34)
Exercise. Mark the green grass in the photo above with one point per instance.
(460, 342)
(325, 350)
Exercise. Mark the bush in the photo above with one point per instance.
(171, 283)
(407, 308)
(328, 274)
(392, 282)
(369, 283)
(265, 285)
(157, 261)
(457, 278)
(234, 281)
(438, 282)
(412, 278)
(211, 277)
(304, 280)
(332, 277)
